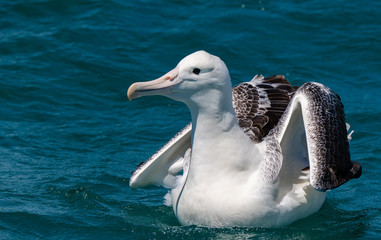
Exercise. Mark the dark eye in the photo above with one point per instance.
(196, 71)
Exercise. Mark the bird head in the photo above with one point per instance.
(198, 75)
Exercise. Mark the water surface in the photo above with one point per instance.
(69, 138)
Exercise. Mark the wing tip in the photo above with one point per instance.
(133, 184)
(356, 170)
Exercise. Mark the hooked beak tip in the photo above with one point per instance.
(130, 92)
(154, 87)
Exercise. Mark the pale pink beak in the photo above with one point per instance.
(159, 86)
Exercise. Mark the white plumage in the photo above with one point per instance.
(259, 155)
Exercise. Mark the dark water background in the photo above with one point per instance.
(69, 138)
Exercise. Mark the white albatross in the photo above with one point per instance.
(261, 154)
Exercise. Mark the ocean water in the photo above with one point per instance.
(69, 138)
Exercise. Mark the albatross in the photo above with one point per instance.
(260, 154)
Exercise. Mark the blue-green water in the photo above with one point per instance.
(69, 138)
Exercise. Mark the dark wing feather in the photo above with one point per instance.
(319, 112)
(328, 133)
(260, 103)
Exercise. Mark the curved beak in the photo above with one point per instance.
(160, 86)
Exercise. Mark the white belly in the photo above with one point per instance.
(228, 204)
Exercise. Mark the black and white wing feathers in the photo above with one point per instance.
(260, 103)
(313, 131)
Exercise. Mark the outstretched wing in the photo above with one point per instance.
(162, 167)
(312, 133)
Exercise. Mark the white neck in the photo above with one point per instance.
(218, 142)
